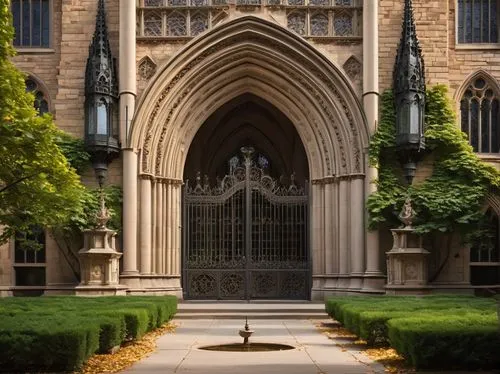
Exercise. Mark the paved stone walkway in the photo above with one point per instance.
(314, 354)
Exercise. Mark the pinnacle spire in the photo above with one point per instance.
(100, 74)
(409, 95)
(409, 68)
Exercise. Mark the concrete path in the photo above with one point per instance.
(314, 353)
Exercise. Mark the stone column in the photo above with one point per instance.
(374, 279)
(329, 235)
(159, 227)
(127, 92)
(357, 232)
(129, 212)
(317, 240)
(343, 229)
(127, 74)
(145, 225)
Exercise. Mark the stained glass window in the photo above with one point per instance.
(176, 24)
(31, 23)
(342, 24)
(479, 116)
(477, 21)
(296, 21)
(199, 23)
(319, 24)
(152, 24)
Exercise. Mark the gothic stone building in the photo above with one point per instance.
(244, 127)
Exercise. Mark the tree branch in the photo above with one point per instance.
(17, 182)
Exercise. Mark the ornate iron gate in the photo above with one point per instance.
(246, 237)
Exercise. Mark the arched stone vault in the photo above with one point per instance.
(250, 55)
(247, 55)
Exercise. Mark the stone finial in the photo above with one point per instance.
(100, 73)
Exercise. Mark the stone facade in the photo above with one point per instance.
(349, 260)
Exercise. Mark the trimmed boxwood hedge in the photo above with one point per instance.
(61, 333)
(453, 342)
(397, 320)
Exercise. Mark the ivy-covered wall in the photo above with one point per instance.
(450, 199)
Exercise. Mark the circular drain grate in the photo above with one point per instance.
(250, 347)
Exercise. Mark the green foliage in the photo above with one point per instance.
(58, 334)
(74, 150)
(451, 198)
(90, 200)
(390, 190)
(447, 342)
(414, 326)
(37, 185)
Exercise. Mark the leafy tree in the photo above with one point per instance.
(37, 185)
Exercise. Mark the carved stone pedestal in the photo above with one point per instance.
(99, 264)
(406, 264)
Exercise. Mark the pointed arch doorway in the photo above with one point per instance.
(245, 206)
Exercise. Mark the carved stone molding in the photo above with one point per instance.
(353, 68)
(147, 68)
(175, 93)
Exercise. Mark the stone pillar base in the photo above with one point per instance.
(142, 284)
(407, 264)
(117, 290)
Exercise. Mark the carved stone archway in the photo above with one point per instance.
(247, 55)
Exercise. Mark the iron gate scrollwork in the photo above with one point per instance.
(245, 237)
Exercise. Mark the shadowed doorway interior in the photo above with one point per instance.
(245, 206)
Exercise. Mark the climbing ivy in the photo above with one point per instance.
(451, 199)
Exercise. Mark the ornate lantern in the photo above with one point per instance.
(409, 96)
(101, 94)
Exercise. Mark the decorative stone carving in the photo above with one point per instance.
(147, 68)
(99, 260)
(353, 68)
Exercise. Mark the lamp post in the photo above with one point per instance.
(406, 261)
(101, 95)
(99, 259)
(409, 96)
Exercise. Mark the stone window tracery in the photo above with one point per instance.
(31, 20)
(337, 19)
(477, 21)
(153, 3)
(41, 103)
(296, 21)
(199, 23)
(176, 24)
(479, 114)
(342, 24)
(153, 23)
(319, 24)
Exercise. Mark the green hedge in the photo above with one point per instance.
(371, 319)
(448, 342)
(61, 333)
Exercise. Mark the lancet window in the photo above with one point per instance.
(479, 113)
(31, 20)
(477, 21)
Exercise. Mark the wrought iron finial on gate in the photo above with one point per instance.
(247, 153)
